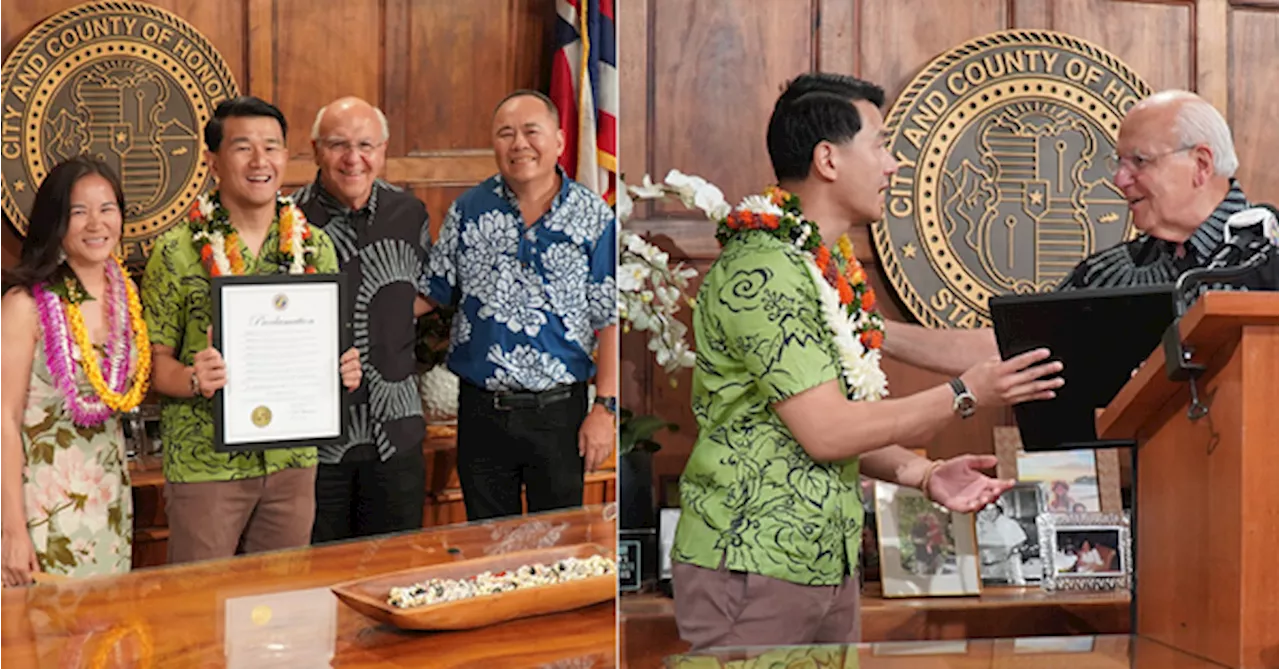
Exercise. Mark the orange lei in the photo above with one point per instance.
(127, 401)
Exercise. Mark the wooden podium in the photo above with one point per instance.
(1205, 491)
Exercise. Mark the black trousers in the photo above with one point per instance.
(363, 496)
(501, 449)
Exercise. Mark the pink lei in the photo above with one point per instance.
(61, 352)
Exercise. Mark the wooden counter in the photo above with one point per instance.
(1091, 651)
(443, 505)
(179, 613)
(648, 629)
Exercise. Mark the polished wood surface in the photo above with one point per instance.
(437, 69)
(1207, 503)
(443, 506)
(698, 82)
(648, 630)
(177, 616)
(1095, 652)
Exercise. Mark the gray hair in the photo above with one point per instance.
(382, 120)
(1199, 122)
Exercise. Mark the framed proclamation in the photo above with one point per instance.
(281, 336)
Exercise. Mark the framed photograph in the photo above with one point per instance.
(281, 336)
(1008, 541)
(1080, 481)
(1087, 551)
(925, 549)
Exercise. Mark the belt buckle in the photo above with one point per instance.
(497, 400)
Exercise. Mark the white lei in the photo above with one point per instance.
(861, 367)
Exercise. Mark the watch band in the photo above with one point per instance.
(610, 404)
(958, 387)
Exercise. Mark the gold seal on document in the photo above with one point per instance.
(126, 82)
(1003, 184)
(260, 615)
(261, 416)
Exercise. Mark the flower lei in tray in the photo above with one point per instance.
(218, 243)
(67, 343)
(848, 301)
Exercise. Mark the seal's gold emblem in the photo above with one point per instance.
(260, 615)
(261, 416)
(127, 82)
(1002, 183)
(280, 302)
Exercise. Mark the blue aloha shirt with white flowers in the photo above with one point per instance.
(529, 299)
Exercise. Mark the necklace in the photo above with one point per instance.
(218, 243)
(847, 300)
(65, 334)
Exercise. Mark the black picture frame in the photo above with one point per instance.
(218, 284)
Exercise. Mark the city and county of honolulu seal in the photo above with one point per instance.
(1003, 184)
(261, 416)
(124, 81)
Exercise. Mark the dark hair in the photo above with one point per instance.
(41, 258)
(815, 107)
(239, 107)
(530, 93)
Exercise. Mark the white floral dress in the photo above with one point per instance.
(76, 486)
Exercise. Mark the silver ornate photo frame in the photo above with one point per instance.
(1085, 551)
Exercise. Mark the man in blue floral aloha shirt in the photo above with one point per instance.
(528, 258)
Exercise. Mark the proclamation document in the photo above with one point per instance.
(281, 337)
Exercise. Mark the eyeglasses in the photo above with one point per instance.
(1138, 162)
(342, 146)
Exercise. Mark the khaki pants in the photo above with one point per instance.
(718, 608)
(216, 519)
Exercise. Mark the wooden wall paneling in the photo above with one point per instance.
(1254, 89)
(463, 58)
(1156, 40)
(437, 199)
(1030, 14)
(715, 72)
(1211, 52)
(260, 27)
(837, 25)
(323, 51)
(897, 39)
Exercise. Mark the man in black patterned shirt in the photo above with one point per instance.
(1175, 164)
(376, 483)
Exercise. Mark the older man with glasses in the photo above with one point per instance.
(1175, 164)
(376, 482)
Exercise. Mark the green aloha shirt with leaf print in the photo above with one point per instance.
(752, 499)
(177, 307)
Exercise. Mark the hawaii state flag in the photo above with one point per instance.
(584, 84)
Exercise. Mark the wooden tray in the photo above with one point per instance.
(369, 595)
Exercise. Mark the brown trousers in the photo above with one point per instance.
(217, 519)
(719, 608)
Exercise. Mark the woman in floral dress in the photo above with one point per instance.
(75, 356)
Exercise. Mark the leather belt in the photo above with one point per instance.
(508, 400)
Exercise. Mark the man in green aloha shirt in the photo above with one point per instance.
(220, 502)
(766, 548)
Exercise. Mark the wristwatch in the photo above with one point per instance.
(195, 383)
(610, 404)
(965, 403)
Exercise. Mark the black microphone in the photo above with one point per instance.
(1245, 248)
